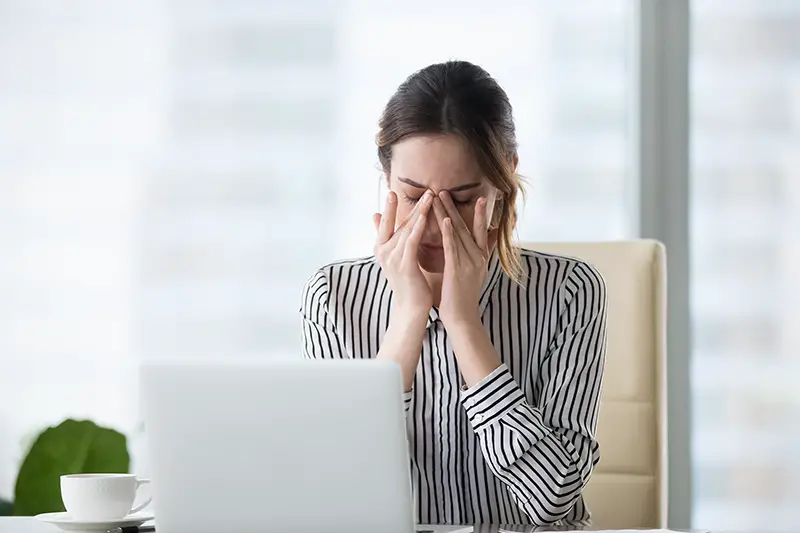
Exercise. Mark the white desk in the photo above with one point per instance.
(13, 524)
(29, 525)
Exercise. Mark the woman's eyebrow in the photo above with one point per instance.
(454, 189)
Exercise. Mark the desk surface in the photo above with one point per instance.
(30, 525)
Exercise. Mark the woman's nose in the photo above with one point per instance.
(432, 230)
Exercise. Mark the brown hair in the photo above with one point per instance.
(458, 97)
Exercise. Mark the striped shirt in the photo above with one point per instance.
(517, 447)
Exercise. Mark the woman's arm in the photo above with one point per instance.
(402, 343)
(320, 339)
(544, 453)
(396, 251)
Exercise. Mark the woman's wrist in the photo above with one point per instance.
(474, 351)
(402, 341)
(462, 322)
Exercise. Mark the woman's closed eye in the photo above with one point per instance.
(412, 200)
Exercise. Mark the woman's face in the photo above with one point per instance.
(439, 163)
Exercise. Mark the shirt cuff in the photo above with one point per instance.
(492, 398)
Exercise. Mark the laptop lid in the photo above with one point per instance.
(277, 445)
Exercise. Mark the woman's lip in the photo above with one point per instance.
(431, 246)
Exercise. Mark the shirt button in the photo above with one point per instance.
(470, 402)
(479, 418)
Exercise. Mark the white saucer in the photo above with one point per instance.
(63, 521)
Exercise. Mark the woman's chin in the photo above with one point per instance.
(431, 260)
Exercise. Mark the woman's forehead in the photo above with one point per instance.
(435, 162)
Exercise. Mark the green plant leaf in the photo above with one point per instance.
(6, 507)
(72, 447)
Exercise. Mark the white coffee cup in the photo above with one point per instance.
(96, 497)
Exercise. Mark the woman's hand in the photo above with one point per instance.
(466, 267)
(396, 251)
(466, 261)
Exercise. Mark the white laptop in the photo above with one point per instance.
(293, 446)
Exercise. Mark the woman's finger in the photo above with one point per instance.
(376, 219)
(412, 216)
(460, 230)
(386, 228)
(415, 237)
(480, 225)
(449, 244)
(439, 212)
(405, 228)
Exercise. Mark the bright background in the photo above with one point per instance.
(171, 171)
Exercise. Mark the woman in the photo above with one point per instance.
(501, 349)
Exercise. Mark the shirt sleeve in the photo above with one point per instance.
(320, 339)
(545, 453)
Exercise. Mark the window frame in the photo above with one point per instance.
(659, 137)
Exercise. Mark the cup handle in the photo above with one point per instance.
(139, 483)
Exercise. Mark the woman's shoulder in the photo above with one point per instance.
(336, 276)
(343, 266)
(560, 267)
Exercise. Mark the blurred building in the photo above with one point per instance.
(745, 272)
(172, 171)
(241, 203)
(268, 169)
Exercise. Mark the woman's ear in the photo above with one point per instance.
(497, 210)
(491, 239)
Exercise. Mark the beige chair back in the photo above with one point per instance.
(628, 489)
